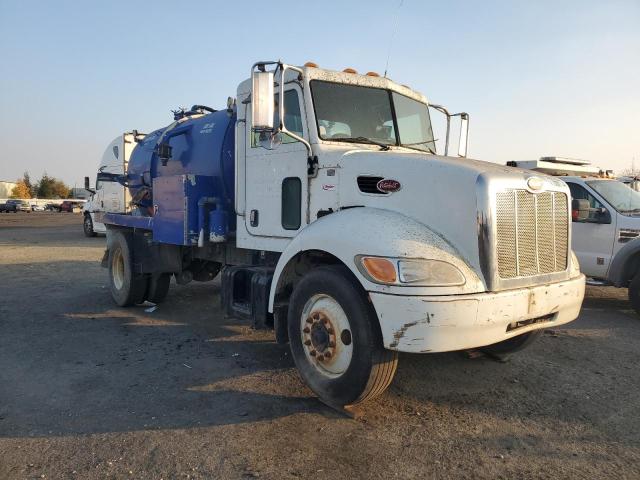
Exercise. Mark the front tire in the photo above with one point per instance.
(513, 344)
(335, 338)
(126, 287)
(87, 225)
(634, 293)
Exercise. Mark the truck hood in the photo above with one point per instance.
(439, 192)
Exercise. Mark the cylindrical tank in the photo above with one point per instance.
(200, 145)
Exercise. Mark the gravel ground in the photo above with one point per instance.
(90, 390)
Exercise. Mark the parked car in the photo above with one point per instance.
(52, 207)
(15, 206)
(37, 208)
(71, 206)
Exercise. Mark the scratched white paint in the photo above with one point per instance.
(446, 323)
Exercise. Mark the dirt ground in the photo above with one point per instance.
(89, 390)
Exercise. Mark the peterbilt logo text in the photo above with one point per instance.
(388, 185)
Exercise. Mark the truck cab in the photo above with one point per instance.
(605, 222)
(109, 196)
(340, 221)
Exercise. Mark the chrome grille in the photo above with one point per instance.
(532, 233)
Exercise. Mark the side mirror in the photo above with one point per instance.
(603, 215)
(580, 209)
(86, 185)
(464, 135)
(262, 100)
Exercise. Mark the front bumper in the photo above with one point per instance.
(420, 324)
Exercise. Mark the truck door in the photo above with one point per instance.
(593, 240)
(276, 177)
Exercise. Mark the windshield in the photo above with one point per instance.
(353, 113)
(624, 199)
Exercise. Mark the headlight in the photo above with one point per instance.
(410, 272)
(429, 272)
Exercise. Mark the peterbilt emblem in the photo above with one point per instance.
(534, 183)
(388, 185)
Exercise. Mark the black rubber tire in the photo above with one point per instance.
(158, 287)
(513, 344)
(372, 367)
(133, 286)
(634, 293)
(87, 226)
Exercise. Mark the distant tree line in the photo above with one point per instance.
(46, 187)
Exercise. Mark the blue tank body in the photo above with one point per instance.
(189, 187)
(204, 146)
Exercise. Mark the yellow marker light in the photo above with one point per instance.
(380, 269)
(373, 74)
(311, 65)
(349, 70)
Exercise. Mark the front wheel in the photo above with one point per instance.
(335, 338)
(634, 293)
(88, 226)
(513, 344)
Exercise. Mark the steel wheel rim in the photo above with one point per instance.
(87, 224)
(325, 333)
(117, 269)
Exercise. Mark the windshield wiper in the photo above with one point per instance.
(382, 145)
(431, 150)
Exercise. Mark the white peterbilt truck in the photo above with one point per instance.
(335, 222)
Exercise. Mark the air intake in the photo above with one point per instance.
(368, 184)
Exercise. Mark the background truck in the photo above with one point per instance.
(320, 196)
(109, 196)
(15, 206)
(606, 222)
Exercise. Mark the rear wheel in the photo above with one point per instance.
(158, 287)
(513, 344)
(634, 293)
(88, 226)
(335, 338)
(126, 287)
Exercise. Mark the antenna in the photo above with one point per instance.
(393, 34)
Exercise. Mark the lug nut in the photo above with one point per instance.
(320, 358)
(327, 354)
(309, 320)
(306, 330)
(330, 330)
(324, 320)
(312, 353)
(307, 342)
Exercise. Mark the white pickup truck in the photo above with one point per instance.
(605, 220)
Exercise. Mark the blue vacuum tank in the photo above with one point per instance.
(183, 176)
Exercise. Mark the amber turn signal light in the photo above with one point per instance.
(380, 269)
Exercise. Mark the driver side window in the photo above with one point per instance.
(578, 192)
(292, 119)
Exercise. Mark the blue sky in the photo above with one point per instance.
(538, 78)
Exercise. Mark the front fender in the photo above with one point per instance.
(622, 267)
(378, 232)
